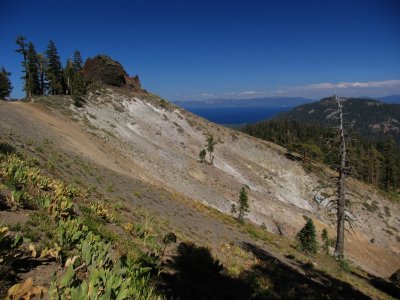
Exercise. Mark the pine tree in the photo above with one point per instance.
(23, 50)
(210, 147)
(243, 206)
(32, 85)
(73, 79)
(42, 65)
(68, 76)
(341, 183)
(54, 70)
(77, 61)
(391, 169)
(5, 84)
(307, 238)
(202, 156)
(233, 209)
(325, 241)
(78, 82)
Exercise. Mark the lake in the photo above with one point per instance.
(236, 115)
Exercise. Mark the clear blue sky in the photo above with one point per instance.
(200, 49)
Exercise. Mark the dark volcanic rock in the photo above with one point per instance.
(134, 82)
(104, 69)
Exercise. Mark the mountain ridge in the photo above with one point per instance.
(143, 134)
(367, 118)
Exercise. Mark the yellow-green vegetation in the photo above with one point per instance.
(90, 270)
(104, 212)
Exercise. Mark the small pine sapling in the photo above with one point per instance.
(202, 156)
(243, 204)
(307, 238)
(325, 241)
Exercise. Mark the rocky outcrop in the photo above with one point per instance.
(102, 68)
(133, 82)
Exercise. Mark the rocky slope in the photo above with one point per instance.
(142, 136)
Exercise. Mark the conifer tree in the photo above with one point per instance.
(54, 70)
(68, 76)
(391, 169)
(23, 50)
(243, 206)
(77, 61)
(32, 85)
(5, 84)
(78, 82)
(210, 147)
(307, 238)
(42, 65)
(202, 156)
(325, 241)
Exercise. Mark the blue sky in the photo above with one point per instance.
(191, 50)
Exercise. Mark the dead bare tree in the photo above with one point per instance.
(341, 188)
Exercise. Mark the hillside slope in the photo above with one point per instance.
(141, 136)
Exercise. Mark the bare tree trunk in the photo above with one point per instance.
(341, 202)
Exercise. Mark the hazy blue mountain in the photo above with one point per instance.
(390, 99)
(252, 102)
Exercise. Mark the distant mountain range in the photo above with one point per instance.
(252, 102)
(366, 117)
(267, 102)
(395, 99)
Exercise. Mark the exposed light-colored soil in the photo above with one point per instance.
(146, 144)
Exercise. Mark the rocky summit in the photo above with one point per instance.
(104, 69)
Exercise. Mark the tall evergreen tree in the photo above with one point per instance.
(42, 65)
(78, 82)
(77, 61)
(32, 85)
(341, 183)
(391, 168)
(23, 50)
(68, 76)
(54, 70)
(5, 84)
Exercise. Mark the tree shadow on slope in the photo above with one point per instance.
(381, 284)
(6, 148)
(12, 269)
(195, 274)
(297, 282)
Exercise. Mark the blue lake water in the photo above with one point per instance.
(237, 115)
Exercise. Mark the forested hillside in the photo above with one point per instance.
(367, 118)
(309, 130)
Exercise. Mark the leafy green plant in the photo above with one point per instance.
(71, 232)
(103, 212)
